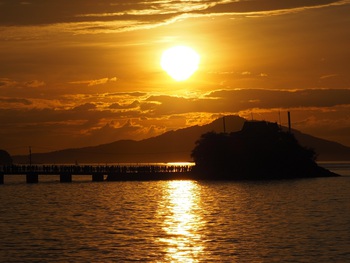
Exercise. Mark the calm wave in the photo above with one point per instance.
(305, 220)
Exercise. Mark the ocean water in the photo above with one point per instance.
(304, 220)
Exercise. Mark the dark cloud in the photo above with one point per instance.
(266, 5)
(85, 116)
(245, 99)
(90, 124)
(258, 98)
(155, 106)
(132, 94)
(132, 105)
(40, 12)
(58, 129)
(85, 107)
(167, 105)
(16, 100)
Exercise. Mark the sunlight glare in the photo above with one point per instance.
(180, 62)
(183, 222)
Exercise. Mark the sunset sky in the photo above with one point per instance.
(81, 73)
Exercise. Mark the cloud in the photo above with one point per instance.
(6, 82)
(15, 101)
(85, 107)
(10, 83)
(248, 98)
(329, 76)
(118, 106)
(246, 73)
(93, 108)
(95, 82)
(34, 84)
(256, 6)
(104, 16)
(233, 101)
(90, 124)
(132, 94)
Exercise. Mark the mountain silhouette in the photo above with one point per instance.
(172, 146)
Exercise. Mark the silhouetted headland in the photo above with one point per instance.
(261, 150)
(5, 158)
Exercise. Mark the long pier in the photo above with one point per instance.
(98, 172)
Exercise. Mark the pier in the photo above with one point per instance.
(98, 173)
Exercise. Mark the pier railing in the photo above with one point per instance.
(96, 171)
(88, 169)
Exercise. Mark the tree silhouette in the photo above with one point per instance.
(5, 158)
(261, 150)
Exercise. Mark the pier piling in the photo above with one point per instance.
(98, 177)
(32, 178)
(65, 178)
(1, 178)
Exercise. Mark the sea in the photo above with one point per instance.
(302, 220)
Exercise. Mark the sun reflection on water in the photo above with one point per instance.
(182, 222)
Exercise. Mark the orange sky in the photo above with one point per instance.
(74, 74)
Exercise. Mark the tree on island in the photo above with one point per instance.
(261, 150)
(5, 158)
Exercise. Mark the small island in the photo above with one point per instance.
(261, 150)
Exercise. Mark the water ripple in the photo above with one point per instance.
(176, 221)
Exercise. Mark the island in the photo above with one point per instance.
(261, 150)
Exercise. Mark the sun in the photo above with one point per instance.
(180, 62)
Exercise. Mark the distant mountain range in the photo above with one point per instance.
(172, 146)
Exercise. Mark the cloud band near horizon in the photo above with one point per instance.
(155, 114)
